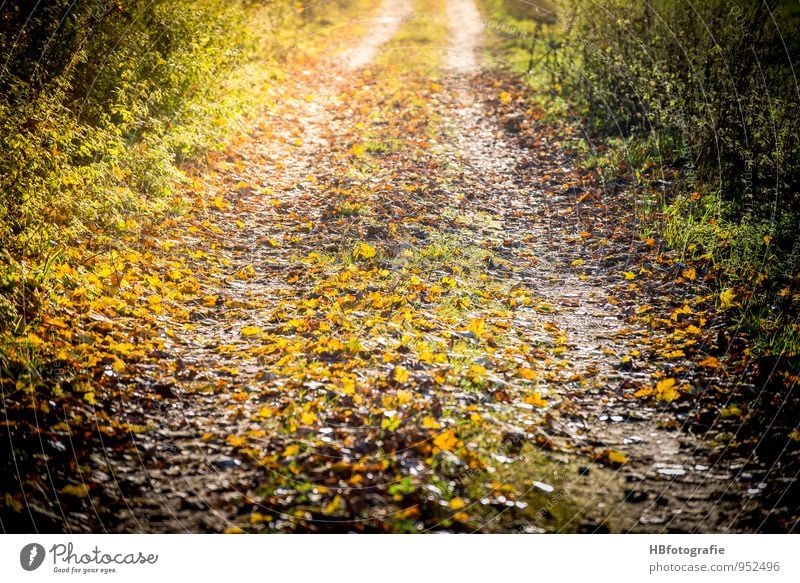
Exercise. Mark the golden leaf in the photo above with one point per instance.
(457, 503)
(236, 441)
(333, 505)
(251, 331)
(666, 391)
(430, 423)
(446, 440)
(726, 298)
(308, 418)
(364, 251)
(536, 400)
(710, 362)
(400, 374)
(291, 450)
(617, 457)
(79, 491)
(220, 203)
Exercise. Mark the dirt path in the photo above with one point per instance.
(383, 27)
(466, 34)
(394, 325)
(670, 485)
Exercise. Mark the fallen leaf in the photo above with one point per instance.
(446, 440)
(79, 490)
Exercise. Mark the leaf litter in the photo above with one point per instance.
(395, 305)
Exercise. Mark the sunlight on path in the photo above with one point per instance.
(466, 34)
(386, 24)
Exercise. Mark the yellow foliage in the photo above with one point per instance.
(400, 374)
(666, 391)
(446, 440)
(726, 298)
(364, 251)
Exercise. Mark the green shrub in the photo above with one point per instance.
(714, 79)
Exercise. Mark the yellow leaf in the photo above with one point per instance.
(446, 440)
(89, 398)
(690, 274)
(726, 298)
(457, 503)
(527, 373)
(220, 203)
(617, 457)
(794, 435)
(577, 263)
(404, 397)
(731, 411)
(233, 530)
(430, 423)
(665, 384)
(477, 326)
(348, 385)
(33, 340)
(629, 275)
(251, 331)
(308, 418)
(666, 391)
(536, 400)
(79, 491)
(505, 97)
(291, 450)
(364, 251)
(709, 362)
(236, 440)
(13, 503)
(334, 505)
(400, 374)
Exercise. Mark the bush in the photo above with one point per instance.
(714, 81)
(100, 100)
